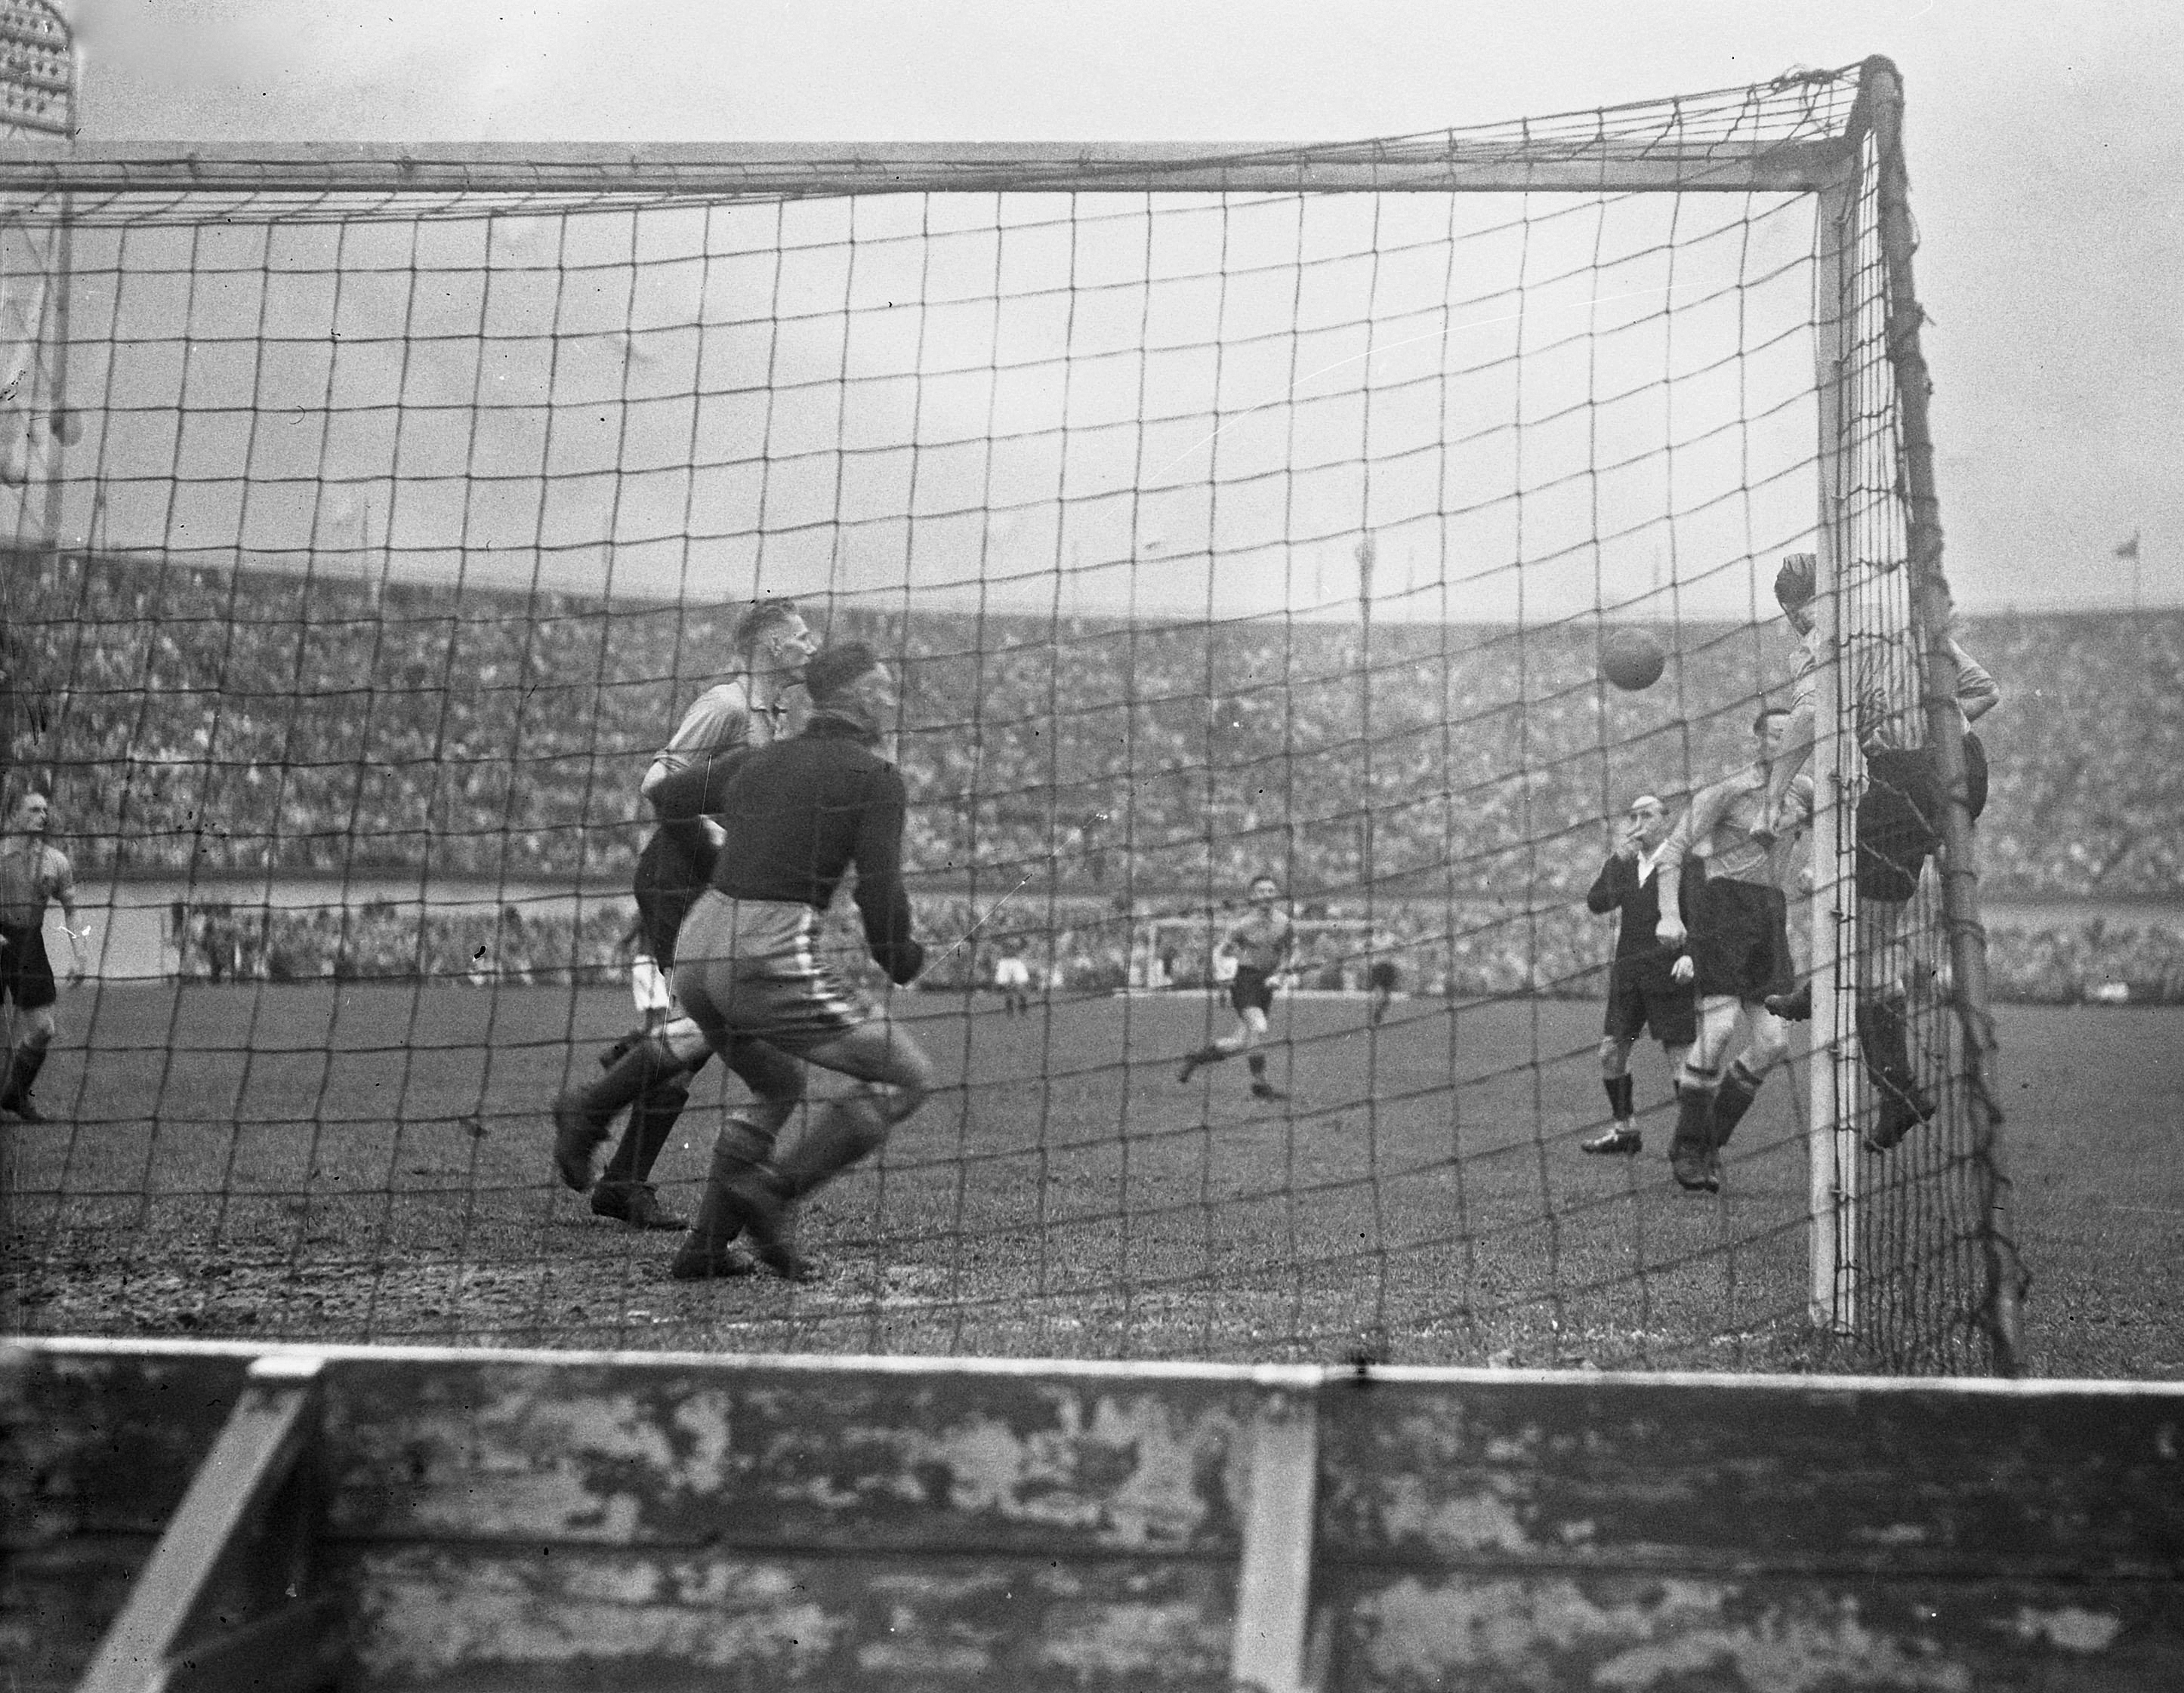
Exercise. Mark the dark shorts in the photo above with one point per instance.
(1642, 994)
(1740, 941)
(1380, 976)
(668, 883)
(750, 968)
(26, 974)
(1252, 989)
(1899, 817)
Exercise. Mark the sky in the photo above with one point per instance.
(2043, 150)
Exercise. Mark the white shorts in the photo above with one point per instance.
(1012, 972)
(650, 986)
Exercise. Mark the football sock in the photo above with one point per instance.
(1884, 1044)
(1620, 1105)
(651, 1120)
(1257, 1062)
(849, 1130)
(1695, 1117)
(637, 1071)
(1738, 1089)
(23, 1069)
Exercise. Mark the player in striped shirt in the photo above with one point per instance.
(31, 875)
(1260, 942)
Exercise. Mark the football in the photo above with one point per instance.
(1631, 659)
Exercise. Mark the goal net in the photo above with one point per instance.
(1222, 514)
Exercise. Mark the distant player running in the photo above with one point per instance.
(651, 1069)
(1738, 950)
(1643, 990)
(1260, 942)
(1012, 979)
(1383, 978)
(31, 874)
(1898, 828)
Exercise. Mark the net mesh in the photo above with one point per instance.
(1213, 531)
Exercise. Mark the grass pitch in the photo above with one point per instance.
(372, 1162)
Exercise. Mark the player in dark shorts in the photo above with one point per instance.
(1642, 990)
(1260, 942)
(1898, 828)
(799, 816)
(651, 1071)
(31, 875)
(1736, 950)
(1382, 979)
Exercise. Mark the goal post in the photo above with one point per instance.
(1222, 509)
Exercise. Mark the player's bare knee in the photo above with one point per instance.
(1614, 1058)
(684, 1040)
(39, 1030)
(1769, 1044)
(908, 1084)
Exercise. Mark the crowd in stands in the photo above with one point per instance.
(211, 722)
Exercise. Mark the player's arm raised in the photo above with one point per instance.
(1977, 693)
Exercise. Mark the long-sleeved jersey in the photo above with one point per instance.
(800, 813)
(1633, 887)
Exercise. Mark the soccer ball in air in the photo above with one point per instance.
(1631, 659)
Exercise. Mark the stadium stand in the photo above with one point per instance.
(343, 727)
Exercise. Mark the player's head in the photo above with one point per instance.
(1796, 584)
(29, 812)
(1264, 892)
(848, 678)
(773, 636)
(1767, 731)
(1649, 819)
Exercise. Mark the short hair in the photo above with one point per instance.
(1798, 581)
(20, 791)
(761, 620)
(1646, 799)
(1264, 876)
(836, 667)
(1759, 722)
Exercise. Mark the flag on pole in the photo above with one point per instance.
(2129, 550)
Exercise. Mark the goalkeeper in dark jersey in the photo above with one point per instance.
(650, 1070)
(799, 816)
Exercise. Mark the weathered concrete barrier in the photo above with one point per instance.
(221, 1517)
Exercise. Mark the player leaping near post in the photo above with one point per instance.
(1260, 942)
(1898, 826)
(31, 873)
(1736, 949)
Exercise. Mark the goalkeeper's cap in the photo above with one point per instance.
(1795, 583)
